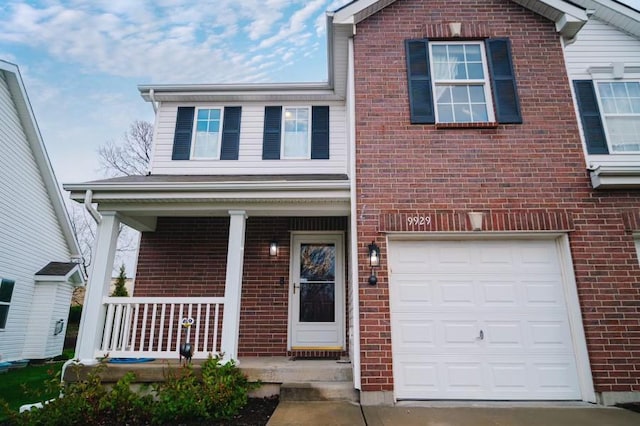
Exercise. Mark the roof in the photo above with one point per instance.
(32, 132)
(568, 16)
(200, 179)
(615, 13)
(61, 271)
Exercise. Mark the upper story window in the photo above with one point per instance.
(206, 143)
(610, 115)
(293, 132)
(6, 291)
(296, 135)
(461, 82)
(620, 103)
(211, 134)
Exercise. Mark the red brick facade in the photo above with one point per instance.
(525, 177)
(188, 257)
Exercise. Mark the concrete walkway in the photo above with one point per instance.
(345, 413)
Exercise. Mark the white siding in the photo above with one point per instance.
(40, 341)
(250, 155)
(600, 45)
(30, 235)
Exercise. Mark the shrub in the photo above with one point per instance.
(226, 388)
(88, 402)
(220, 394)
(182, 397)
(75, 312)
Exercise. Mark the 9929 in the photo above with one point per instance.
(419, 220)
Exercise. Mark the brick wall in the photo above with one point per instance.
(188, 257)
(529, 176)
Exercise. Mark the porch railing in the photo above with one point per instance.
(137, 327)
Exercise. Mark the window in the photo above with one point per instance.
(296, 135)
(211, 134)
(620, 106)
(460, 83)
(6, 291)
(206, 143)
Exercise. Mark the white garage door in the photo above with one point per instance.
(480, 319)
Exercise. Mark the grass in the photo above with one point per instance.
(27, 385)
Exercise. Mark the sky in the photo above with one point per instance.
(82, 60)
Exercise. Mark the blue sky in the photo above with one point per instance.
(83, 59)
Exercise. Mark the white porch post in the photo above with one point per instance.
(233, 285)
(93, 311)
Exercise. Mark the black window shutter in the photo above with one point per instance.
(505, 92)
(182, 135)
(590, 117)
(320, 133)
(272, 129)
(419, 82)
(231, 133)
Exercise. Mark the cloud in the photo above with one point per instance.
(172, 41)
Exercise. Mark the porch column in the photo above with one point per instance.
(93, 311)
(233, 285)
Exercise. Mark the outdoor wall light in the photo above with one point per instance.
(273, 248)
(374, 262)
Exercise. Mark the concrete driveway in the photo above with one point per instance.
(349, 414)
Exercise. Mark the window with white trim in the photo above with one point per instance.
(296, 132)
(460, 82)
(6, 292)
(620, 107)
(207, 134)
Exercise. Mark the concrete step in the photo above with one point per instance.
(318, 391)
(276, 370)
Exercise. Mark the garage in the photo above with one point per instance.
(481, 319)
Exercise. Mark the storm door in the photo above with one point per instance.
(317, 292)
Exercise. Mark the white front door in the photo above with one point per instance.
(316, 294)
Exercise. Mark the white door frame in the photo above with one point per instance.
(574, 312)
(336, 238)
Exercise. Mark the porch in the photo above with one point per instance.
(284, 376)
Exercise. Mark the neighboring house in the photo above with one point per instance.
(38, 250)
(364, 188)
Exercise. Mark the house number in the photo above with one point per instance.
(419, 220)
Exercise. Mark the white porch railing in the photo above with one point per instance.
(137, 327)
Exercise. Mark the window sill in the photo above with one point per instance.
(615, 176)
(488, 125)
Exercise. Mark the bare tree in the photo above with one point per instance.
(132, 155)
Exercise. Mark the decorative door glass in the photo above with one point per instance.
(317, 282)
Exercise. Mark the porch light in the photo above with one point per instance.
(273, 248)
(374, 262)
(374, 255)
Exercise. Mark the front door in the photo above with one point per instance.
(316, 308)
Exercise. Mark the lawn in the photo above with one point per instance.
(27, 385)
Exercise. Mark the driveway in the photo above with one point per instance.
(349, 414)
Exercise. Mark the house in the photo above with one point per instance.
(426, 213)
(39, 254)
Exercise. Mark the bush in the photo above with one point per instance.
(219, 394)
(75, 312)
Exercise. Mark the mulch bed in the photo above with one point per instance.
(633, 406)
(257, 412)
